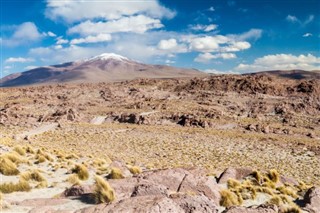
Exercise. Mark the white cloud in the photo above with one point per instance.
(19, 60)
(73, 11)
(235, 46)
(51, 34)
(25, 33)
(92, 39)
(292, 19)
(8, 67)
(282, 62)
(136, 24)
(219, 72)
(211, 9)
(60, 40)
(254, 34)
(208, 43)
(168, 62)
(207, 57)
(205, 28)
(171, 46)
(307, 35)
(309, 20)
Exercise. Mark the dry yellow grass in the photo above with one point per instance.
(32, 175)
(22, 186)
(135, 170)
(103, 191)
(115, 173)
(74, 179)
(20, 150)
(7, 167)
(82, 171)
(228, 198)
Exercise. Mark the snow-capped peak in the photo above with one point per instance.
(107, 56)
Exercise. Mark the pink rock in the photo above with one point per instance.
(312, 200)
(259, 209)
(235, 173)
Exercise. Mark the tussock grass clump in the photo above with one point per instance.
(287, 191)
(264, 190)
(257, 176)
(30, 150)
(21, 186)
(103, 191)
(294, 209)
(82, 171)
(233, 183)
(40, 159)
(274, 176)
(135, 170)
(14, 157)
(115, 173)
(20, 150)
(74, 179)
(42, 184)
(32, 175)
(72, 156)
(228, 198)
(275, 200)
(7, 167)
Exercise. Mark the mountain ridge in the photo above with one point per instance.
(107, 67)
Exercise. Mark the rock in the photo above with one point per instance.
(266, 129)
(147, 204)
(42, 202)
(77, 190)
(46, 209)
(123, 187)
(259, 209)
(171, 178)
(199, 203)
(312, 200)
(149, 189)
(237, 174)
(124, 170)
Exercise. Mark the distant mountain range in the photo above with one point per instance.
(110, 67)
(107, 67)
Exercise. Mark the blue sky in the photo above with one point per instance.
(229, 36)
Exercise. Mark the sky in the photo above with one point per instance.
(217, 36)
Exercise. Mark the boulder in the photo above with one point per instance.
(145, 204)
(235, 173)
(199, 203)
(312, 200)
(77, 190)
(259, 209)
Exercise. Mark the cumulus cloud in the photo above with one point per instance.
(136, 24)
(171, 45)
(92, 39)
(74, 10)
(205, 28)
(61, 40)
(19, 60)
(282, 62)
(207, 57)
(24, 33)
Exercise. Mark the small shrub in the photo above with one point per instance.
(135, 170)
(275, 200)
(42, 184)
(287, 191)
(32, 175)
(103, 191)
(74, 179)
(233, 183)
(21, 186)
(15, 157)
(20, 150)
(7, 167)
(40, 159)
(294, 209)
(228, 198)
(115, 173)
(257, 176)
(81, 171)
(274, 175)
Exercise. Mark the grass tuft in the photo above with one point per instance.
(274, 176)
(20, 150)
(135, 170)
(21, 186)
(228, 198)
(103, 191)
(82, 171)
(115, 173)
(74, 179)
(7, 167)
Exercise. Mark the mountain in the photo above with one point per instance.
(291, 74)
(107, 67)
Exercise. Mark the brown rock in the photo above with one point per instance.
(312, 200)
(77, 190)
(199, 203)
(149, 189)
(237, 174)
(147, 204)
